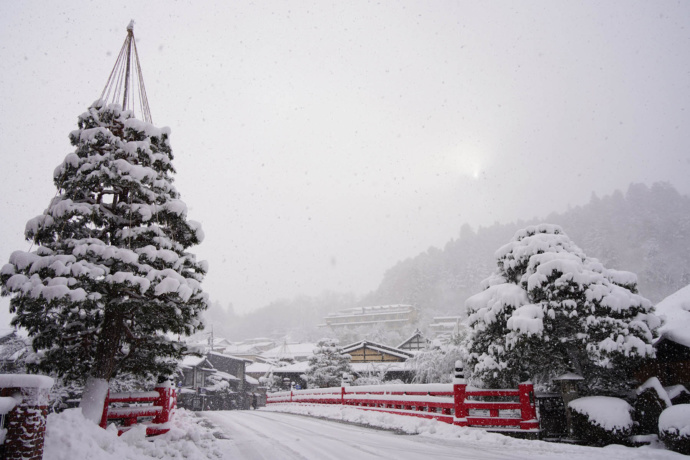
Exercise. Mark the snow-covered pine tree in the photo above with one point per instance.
(549, 309)
(109, 279)
(327, 365)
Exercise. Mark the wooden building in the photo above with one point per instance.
(370, 352)
(415, 343)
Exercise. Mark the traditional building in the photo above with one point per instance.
(415, 343)
(370, 352)
(215, 382)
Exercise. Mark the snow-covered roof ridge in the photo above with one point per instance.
(674, 312)
(378, 347)
(416, 333)
(190, 361)
(231, 356)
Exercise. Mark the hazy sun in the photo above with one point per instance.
(468, 161)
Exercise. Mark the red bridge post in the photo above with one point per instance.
(165, 401)
(459, 391)
(527, 407)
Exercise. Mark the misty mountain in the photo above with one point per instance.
(646, 231)
(295, 319)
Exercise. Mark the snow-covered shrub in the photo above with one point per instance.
(674, 428)
(435, 364)
(549, 309)
(650, 403)
(601, 420)
(327, 365)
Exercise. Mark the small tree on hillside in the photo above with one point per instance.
(549, 309)
(109, 279)
(327, 365)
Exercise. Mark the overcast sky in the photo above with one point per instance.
(319, 143)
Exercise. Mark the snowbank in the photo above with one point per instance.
(471, 437)
(70, 436)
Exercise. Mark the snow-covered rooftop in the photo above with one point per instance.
(296, 350)
(674, 311)
(256, 368)
(192, 361)
(404, 354)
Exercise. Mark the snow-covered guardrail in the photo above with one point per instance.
(457, 403)
(158, 404)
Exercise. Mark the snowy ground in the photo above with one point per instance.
(273, 434)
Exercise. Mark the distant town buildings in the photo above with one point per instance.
(388, 315)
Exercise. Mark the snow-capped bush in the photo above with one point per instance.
(674, 428)
(601, 420)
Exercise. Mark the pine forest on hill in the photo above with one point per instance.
(645, 231)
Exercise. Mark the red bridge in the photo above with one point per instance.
(458, 404)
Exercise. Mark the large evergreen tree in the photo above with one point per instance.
(327, 365)
(109, 279)
(549, 309)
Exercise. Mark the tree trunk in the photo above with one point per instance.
(104, 365)
(93, 399)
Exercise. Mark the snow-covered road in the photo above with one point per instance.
(271, 436)
(257, 435)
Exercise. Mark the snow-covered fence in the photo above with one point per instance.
(457, 403)
(158, 404)
(23, 407)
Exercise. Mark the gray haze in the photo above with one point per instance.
(319, 143)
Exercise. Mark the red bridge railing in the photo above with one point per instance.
(158, 404)
(457, 403)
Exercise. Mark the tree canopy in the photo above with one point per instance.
(108, 284)
(549, 309)
(327, 365)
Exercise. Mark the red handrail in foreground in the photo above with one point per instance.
(158, 404)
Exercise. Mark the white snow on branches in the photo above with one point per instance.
(527, 320)
(546, 290)
(490, 303)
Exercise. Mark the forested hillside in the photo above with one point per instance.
(645, 231)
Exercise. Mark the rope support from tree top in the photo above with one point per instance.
(126, 81)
